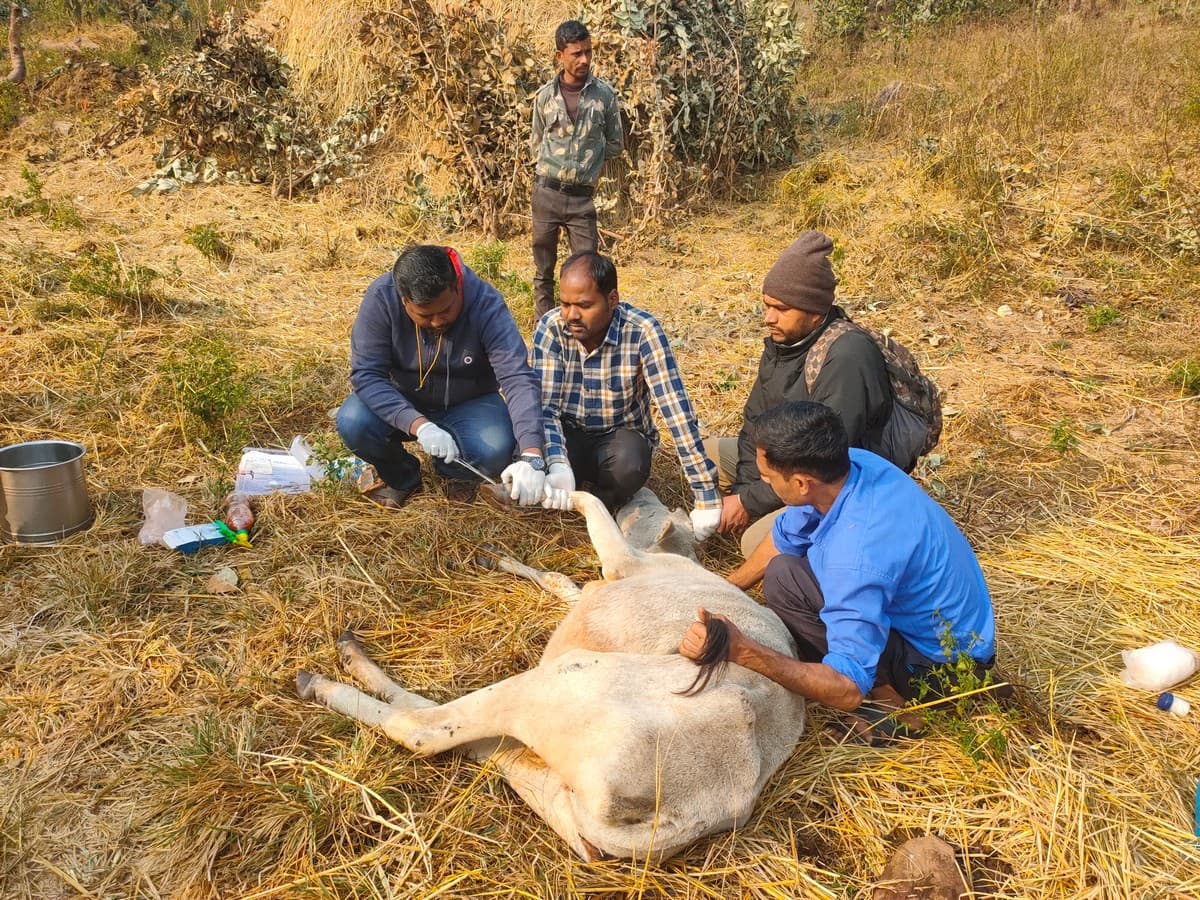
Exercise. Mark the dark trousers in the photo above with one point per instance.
(614, 464)
(791, 591)
(481, 428)
(553, 211)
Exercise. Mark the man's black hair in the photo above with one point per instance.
(423, 273)
(801, 436)
(571, 31)
(601, 268)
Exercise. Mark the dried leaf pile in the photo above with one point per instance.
(227, 113)
(707, 92)
(465, 79)
(707, 89)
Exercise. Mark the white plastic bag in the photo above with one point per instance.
(304, 455)
(163, 512)
(265, 471)
(1159, 666)
(348, 468)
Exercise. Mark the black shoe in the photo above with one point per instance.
(870, 727)
(389, 497)
(459, 491)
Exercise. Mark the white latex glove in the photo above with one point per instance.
(526, 483)
(559, 484)
(437, 442)
(705, 522)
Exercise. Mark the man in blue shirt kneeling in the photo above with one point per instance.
(872, 577)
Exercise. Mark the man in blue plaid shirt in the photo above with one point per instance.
(602, 362)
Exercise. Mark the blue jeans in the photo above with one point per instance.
(481, 428)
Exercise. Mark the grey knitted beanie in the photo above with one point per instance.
(802, 277)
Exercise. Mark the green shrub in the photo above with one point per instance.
(32, 201)
(487, 259)
(857, 18)
(1102, 315)
(101, 273)
(841, 18)
(965, 706)
(208, 240)
(206, 379)
(1063, 437)
(1186, 374)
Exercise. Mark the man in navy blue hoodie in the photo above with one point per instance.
(436, 358)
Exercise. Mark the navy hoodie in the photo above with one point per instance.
(481, 353)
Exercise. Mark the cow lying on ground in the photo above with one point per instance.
(599, 738)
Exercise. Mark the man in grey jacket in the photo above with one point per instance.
(576, 127)
(436, 358)
(798, 306)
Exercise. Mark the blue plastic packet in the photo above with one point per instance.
(191, 538)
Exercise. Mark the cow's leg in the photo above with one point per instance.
(545, 793)
(362, 667)
(481, 715)
(373, 678)
(552, 582)
(617, 557)
(343, 698)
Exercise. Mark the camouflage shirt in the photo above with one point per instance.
(573, 152)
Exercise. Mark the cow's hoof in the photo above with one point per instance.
(497, 495)
(486, 556)
(585, 502)
(347, 637)
(304, 685)
(592, 853)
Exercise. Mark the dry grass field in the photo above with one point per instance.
(1018, 201)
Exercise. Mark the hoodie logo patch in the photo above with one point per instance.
(467, 360)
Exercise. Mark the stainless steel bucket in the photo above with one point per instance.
(43, 494)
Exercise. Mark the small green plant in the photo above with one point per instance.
(10, 105)
(1186, 374)
(211, 244)
(1063, 437)
(101, 273)
(513, 286)
(58, 214)
(487, 259)
(1102, 315)
(331, 453)
(970, 714)
(1191, 104)
(206, 379)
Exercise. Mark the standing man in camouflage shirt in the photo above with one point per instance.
(576, 127)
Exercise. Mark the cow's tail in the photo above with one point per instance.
(714, 656)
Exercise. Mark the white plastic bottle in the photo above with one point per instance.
(1176, 706)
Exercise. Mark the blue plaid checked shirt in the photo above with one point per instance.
(611, 387)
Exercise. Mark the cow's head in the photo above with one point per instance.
(649, 526)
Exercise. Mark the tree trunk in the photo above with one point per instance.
(15, 51)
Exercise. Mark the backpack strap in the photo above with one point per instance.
(817, 353)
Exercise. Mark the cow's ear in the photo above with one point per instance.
(665, 532)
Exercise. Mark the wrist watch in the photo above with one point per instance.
(535, 461)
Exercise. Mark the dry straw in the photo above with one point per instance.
(150, 741)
